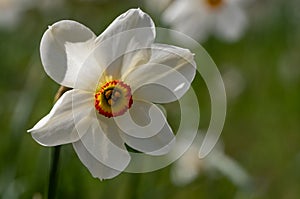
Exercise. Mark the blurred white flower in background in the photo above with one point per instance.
(12, 11)
(157, 6)
(234, 82)
(225, 19)
(188, 167)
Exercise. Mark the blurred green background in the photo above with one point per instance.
(261, 73)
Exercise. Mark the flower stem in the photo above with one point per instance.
(53, 173)
(53, 177)
(135, 179)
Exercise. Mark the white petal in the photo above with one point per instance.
(143, 120)
(187, 168)
(148, 130)
(102, 141)
(198, 25)
(133, 59)
(64, 47)
(157, 6)
(130, 32)
(177, 10)
(166, 77)
(132, 19)
(190, 18)
(231, 23)
(89, 74)
(58, 127)
(97, 169)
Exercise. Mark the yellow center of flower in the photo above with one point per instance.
(214, 3)
(113, 98)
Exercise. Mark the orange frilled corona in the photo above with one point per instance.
(113, 98)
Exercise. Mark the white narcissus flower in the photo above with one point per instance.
(189, 166)
(116, 79)
(157, 5)
(199, 18)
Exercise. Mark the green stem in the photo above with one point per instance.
(135, 179)
(53, 173)
(55, 155)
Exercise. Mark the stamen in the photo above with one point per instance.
(113, 98)
(108, 93)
